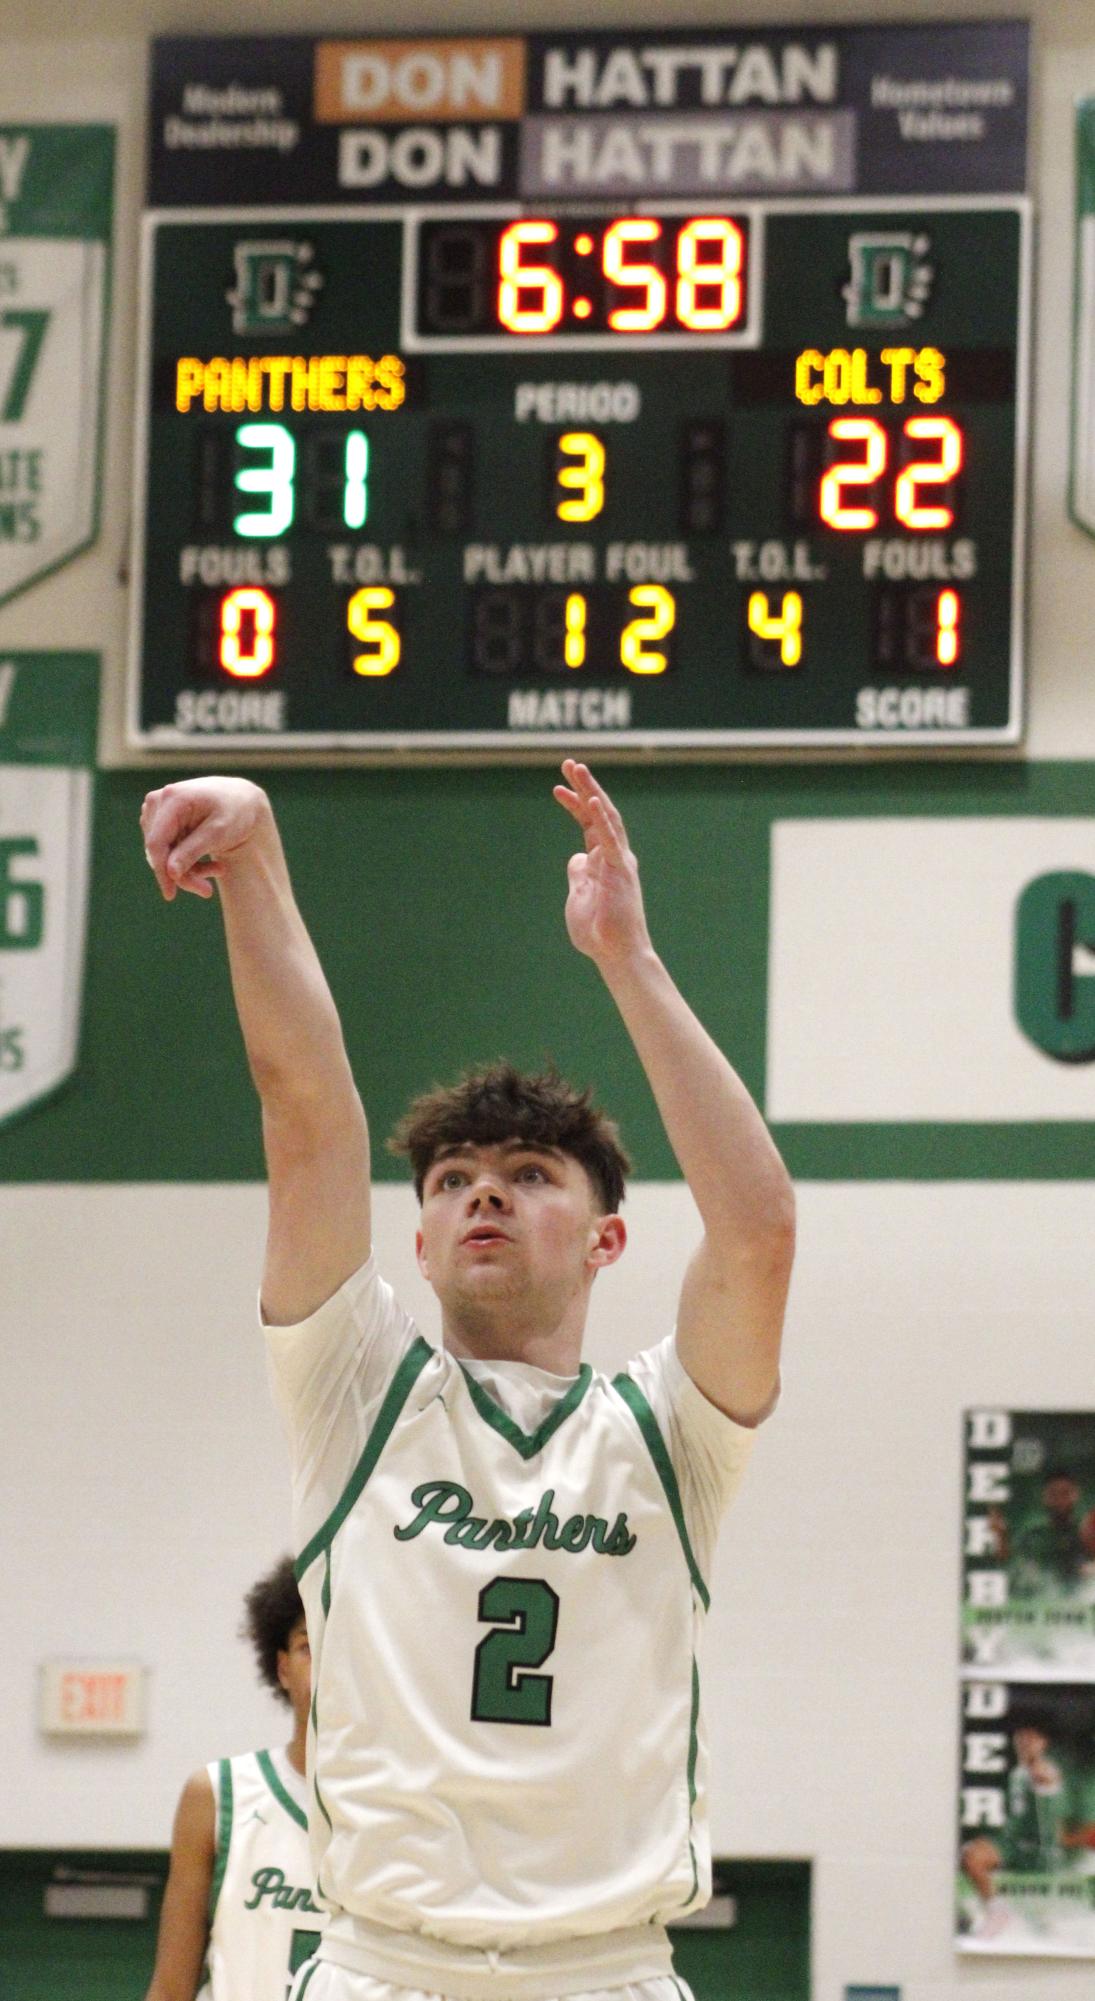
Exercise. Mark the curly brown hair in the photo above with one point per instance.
(272, 1607)
(500, 1103)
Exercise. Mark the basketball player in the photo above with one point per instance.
(504, 1558)
(239, 1917)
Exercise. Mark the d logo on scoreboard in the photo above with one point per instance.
(891, 278)
(275, 287)
(56, 189)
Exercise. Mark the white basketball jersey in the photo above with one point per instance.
(505, 1734)
(264, 1920)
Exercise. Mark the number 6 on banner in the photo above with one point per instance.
(44, 867)
(22, 899)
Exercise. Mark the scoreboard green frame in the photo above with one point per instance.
(482, 477)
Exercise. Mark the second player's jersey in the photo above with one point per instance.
(504, 1614)
(264, 1918)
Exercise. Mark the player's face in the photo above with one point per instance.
(512, 1226)
(295, 1670)
(1060, 1496)
(1029, 1744)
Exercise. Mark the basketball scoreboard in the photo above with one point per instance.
(702, 465)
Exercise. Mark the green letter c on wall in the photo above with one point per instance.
(1054, 1004)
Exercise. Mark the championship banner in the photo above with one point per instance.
(56, 197)
(1083, 348)
(1029, 1544)
(1026, 1852)
(48, 713)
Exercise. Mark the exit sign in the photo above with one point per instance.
(83, 1698)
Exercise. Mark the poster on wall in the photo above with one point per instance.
(56, 201)
(1082, 485)
(48, 715)
(1028, 1607)
(1026, 1852)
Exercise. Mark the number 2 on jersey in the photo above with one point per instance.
(525, 1611)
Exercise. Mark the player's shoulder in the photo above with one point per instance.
(654, 1368)
(637, 1400)
(362, 1297)
(237, 1773)
(359, 1340)
(617, 1390)
(196, 1816)
(678, 1421)
(200, 1785)
(241, 1764)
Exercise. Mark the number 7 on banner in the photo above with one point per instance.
(56, 196)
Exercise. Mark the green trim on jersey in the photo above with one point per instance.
(693, 1733)
(663, 1465)
(312, 1966)
(402, 1383)
(315, 1775)
(528, 1444)
(693, 1753)
(266, 1767)
(399, 1389)
(224, 1835)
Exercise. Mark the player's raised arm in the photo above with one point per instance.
(317, 1146)
(735, 1289)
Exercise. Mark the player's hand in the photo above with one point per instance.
(191, 828)
(604, 910)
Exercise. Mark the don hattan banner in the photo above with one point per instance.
(783, 111)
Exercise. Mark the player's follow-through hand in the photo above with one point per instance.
(604, 911)
(191, 828)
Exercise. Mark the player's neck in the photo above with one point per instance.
(295, 1749)
(498, 1337)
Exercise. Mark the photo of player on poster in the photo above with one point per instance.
(1026, 1879)
(1029, 1543)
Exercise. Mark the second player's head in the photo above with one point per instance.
(275, 1625)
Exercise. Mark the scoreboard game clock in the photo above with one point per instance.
(634, 391)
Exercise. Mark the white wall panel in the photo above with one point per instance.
(891, 970)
